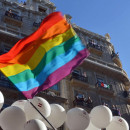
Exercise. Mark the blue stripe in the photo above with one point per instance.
(56, 63)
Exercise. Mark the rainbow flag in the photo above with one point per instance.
(42, 59)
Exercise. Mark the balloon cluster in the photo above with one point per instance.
(21, 115)
(99, 118)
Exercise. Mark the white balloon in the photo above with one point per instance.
(1, 99)
(20, 104)
(92, 127)
(12, 118)
(101, 116)
(57, 116)
(41, 104)
(118, 123)
(77, 119)
(35, 124)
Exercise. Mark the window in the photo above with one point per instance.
(55, 87)
(41, 9)
(76, 71)
(100, 80)
(13, 14)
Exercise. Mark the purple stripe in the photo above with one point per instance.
(58, 75)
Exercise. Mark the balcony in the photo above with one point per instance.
(94, 48)
(105, 89)
(13, 19)
(82, 102)
(106, 68)
(79, 79)
(116, 60)
(52, 96)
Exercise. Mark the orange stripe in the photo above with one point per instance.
(28, 51)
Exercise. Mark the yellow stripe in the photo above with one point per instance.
(38, 55)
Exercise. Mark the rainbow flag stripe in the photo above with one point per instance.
(42, 59)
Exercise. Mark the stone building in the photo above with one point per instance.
(99, 77)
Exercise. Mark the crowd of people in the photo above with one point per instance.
(114, 109)
(81, 100)
(95, 45)
(9, 13)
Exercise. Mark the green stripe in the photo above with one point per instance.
(47, 58)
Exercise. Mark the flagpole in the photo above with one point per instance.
(42, 115)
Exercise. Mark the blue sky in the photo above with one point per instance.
(103, 16)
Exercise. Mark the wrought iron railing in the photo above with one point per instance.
(96, 46)
(104, 86)
(79, 77)
(13, 15)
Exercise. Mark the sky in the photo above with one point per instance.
(103, 16)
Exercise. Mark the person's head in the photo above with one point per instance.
(89, 97)
(106, 105)
(116, 107)
(113, 106)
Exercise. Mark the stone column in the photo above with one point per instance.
(63, 88)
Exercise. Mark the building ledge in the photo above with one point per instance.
(53, 99)
(106, 92)
(79, 80)
(13, 19)
(106, 68)
(116, 60)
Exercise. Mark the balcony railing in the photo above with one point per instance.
(105, 89)
(104, 86)
(13, 15)
(79, 77)
(13, 19)
(96, 46)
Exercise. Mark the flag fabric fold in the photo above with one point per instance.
(42, 59)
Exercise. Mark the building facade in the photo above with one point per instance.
(99, 77)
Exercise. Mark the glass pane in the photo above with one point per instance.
(100, 80)
(55, 87)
